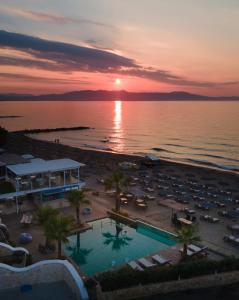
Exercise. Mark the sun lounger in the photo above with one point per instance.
(189, 252)
(135, 266)
(196, 249)
(146, 263)
(229, 238)
(160, 259)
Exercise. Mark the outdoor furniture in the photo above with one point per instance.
(129, 196)
(124, 200)
(146, 263)
(231, 239)
(234, 227)
(86, 211)
(142, 205)
(160, 259)
(26, 219)
(184, 221)
(196, 249)
(189, 211)
(189, 252)
(209, 219)
(25, 238)
(135, 266)
(140, 201)
(149, 197)
(100, 180)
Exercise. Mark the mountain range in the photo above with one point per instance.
(103, 95)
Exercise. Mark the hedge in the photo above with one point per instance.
(126, 277)
(6, 187)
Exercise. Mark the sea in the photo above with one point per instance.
(204, 133)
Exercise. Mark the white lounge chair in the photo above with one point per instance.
(160, 259)
(146, 263)
(135, 266)
(196, 249)
(189, 252)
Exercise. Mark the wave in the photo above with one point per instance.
(211, 164)
(162, 150)
(223, 144)
(176, 145)
(195, 148)
(218, 157)
(97, 147)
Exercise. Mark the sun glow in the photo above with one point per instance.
(118, 81)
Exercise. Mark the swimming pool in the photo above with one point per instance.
(110, 243)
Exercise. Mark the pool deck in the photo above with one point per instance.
(155, 214)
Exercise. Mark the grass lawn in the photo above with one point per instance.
(6, 187)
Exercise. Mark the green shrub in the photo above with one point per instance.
(6, 187)
(126, 277)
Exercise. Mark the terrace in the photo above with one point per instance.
(45, 177)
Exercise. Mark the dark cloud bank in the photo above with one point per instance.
(65, 57)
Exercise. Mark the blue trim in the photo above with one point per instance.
(59, 190)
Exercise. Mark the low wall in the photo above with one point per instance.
(43, 272)
(6, 249)
(121, 218)
(172, 286)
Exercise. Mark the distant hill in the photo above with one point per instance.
(102, 95)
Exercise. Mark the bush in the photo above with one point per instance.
(3, 136)
(6, 187)
(126, 277)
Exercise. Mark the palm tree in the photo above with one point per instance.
(116, 181)
(76, 198)
(77, 253)
(119, 239)
(187, 235)
(58, 228)
(43, 215)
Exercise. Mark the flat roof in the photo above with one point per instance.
(38, 165)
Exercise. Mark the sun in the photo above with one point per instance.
(118, 81)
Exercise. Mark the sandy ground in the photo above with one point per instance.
(159, 211)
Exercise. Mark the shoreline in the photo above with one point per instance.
(21, 144)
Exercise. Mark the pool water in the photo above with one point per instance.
(110, 243)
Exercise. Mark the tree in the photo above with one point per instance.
(117, 240)
(43, 215)
(116, 181)
(187, 235)
(58, 229)
(77, 253)
(76, 198)
(3, 136)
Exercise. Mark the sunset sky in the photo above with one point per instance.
(150, 45)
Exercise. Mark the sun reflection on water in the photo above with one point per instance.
(118, 115)
(118, 132)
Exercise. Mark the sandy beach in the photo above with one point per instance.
(21, 144)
